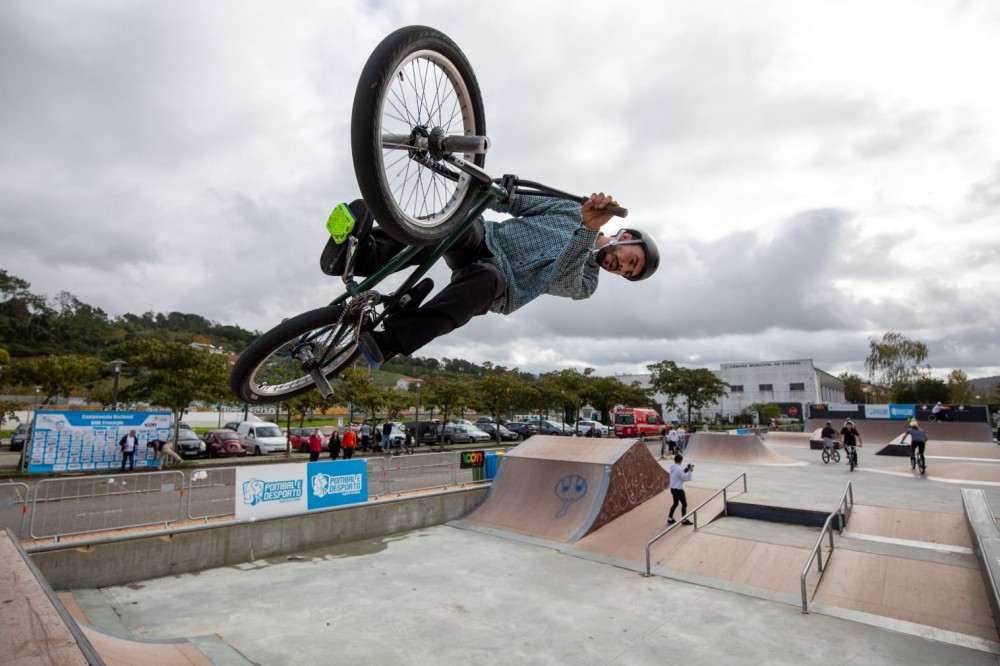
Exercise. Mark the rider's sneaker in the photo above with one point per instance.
(418, 293)
(376, 347)
(344, 222)
(670, 521)
(686, 522)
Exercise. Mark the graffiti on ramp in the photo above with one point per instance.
(569, 489)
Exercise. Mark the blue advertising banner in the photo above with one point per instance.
(74, 441)
(902, 411)
(265, 491)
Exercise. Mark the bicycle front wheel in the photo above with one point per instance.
(279, 364)
(416, 87)
(836, 455)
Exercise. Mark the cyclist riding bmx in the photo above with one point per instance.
(548, 246)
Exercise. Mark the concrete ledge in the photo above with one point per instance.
(123, 560)
(985, 543)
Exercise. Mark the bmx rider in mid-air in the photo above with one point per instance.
(548, 246)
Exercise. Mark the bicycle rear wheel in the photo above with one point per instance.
(278, 365)
(826, 456)
(416, 86)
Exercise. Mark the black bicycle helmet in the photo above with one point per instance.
(652, 255)
(637, 238)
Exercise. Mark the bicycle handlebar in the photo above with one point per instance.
(514, 184)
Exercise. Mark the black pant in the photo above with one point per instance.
(334, 451)
(680, 497)
(313, 456)
(128, 457)
(474, 285)
(348, 452)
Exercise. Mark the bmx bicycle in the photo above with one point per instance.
(917, 457)
(852, 455)
(419, 144)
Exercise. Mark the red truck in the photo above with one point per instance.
(636, 422)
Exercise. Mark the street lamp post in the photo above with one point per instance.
(739, 403)
(417, 415)
(116, 366)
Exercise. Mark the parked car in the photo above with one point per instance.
(223, 443)
(505, 434)
(522, 428)
(460, 433)
(262, 437)
(185, 426)
(427, 431)
(19, 437)
(600, 430)
(189, 444)
(232, 425)
(546, 427)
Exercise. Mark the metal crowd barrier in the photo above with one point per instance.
(14, 505)
(70, 506)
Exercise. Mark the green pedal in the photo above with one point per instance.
(340, 224)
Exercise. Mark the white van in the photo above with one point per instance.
(262, 437)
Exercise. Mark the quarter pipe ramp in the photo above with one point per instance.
(563, 488)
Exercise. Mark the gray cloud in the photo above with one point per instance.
(173, 157)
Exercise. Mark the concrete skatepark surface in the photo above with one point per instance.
(724, 594)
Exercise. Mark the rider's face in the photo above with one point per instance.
(624, 260)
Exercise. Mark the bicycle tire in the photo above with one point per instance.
(836, 455)
(267, 372)
(826, 456)
(417, 204)
(850, 459)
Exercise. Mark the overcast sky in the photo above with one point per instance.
(816, 173)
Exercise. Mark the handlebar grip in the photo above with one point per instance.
(618, 211)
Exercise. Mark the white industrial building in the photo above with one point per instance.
(790, 384)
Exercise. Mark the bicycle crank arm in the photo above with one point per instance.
(322, 383)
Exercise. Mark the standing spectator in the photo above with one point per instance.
(377, 439)
(681, 438)
(315, 445)
(167, 451)
(366, 437)
(386, 434)
(674, 440)
(677, 478)
(334, 444)
(129, 443)
(349, 442)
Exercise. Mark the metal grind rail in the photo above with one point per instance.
(842, 513)
(693, 514)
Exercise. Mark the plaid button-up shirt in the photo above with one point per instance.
(543, 249)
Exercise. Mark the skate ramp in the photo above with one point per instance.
(789, 438)
(884, 432)
(563, 488)
(720, 447)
